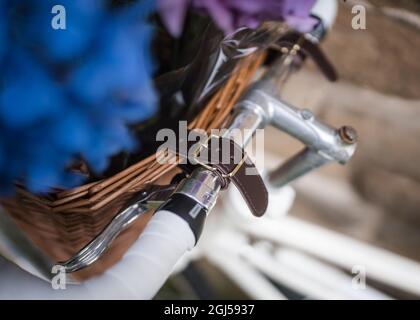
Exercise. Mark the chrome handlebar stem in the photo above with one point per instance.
(262, 106)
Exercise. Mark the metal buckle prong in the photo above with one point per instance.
(236, 169)
(210, 167)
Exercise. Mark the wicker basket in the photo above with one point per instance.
(61, 224)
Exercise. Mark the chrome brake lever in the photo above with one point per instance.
(150, 199)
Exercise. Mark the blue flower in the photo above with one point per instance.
(69, 94)
(3, 28)
(83, 21)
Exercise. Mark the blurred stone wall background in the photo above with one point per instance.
(376, 197)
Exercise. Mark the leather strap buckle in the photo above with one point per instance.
(205, 145)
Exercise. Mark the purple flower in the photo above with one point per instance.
(232, 14)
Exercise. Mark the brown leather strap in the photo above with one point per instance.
(229, 161)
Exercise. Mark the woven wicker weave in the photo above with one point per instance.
(63, 223)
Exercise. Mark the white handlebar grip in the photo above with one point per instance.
(149, 262)
(139, 275)
(171, 232)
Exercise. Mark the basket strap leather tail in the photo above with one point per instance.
(230, 162)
